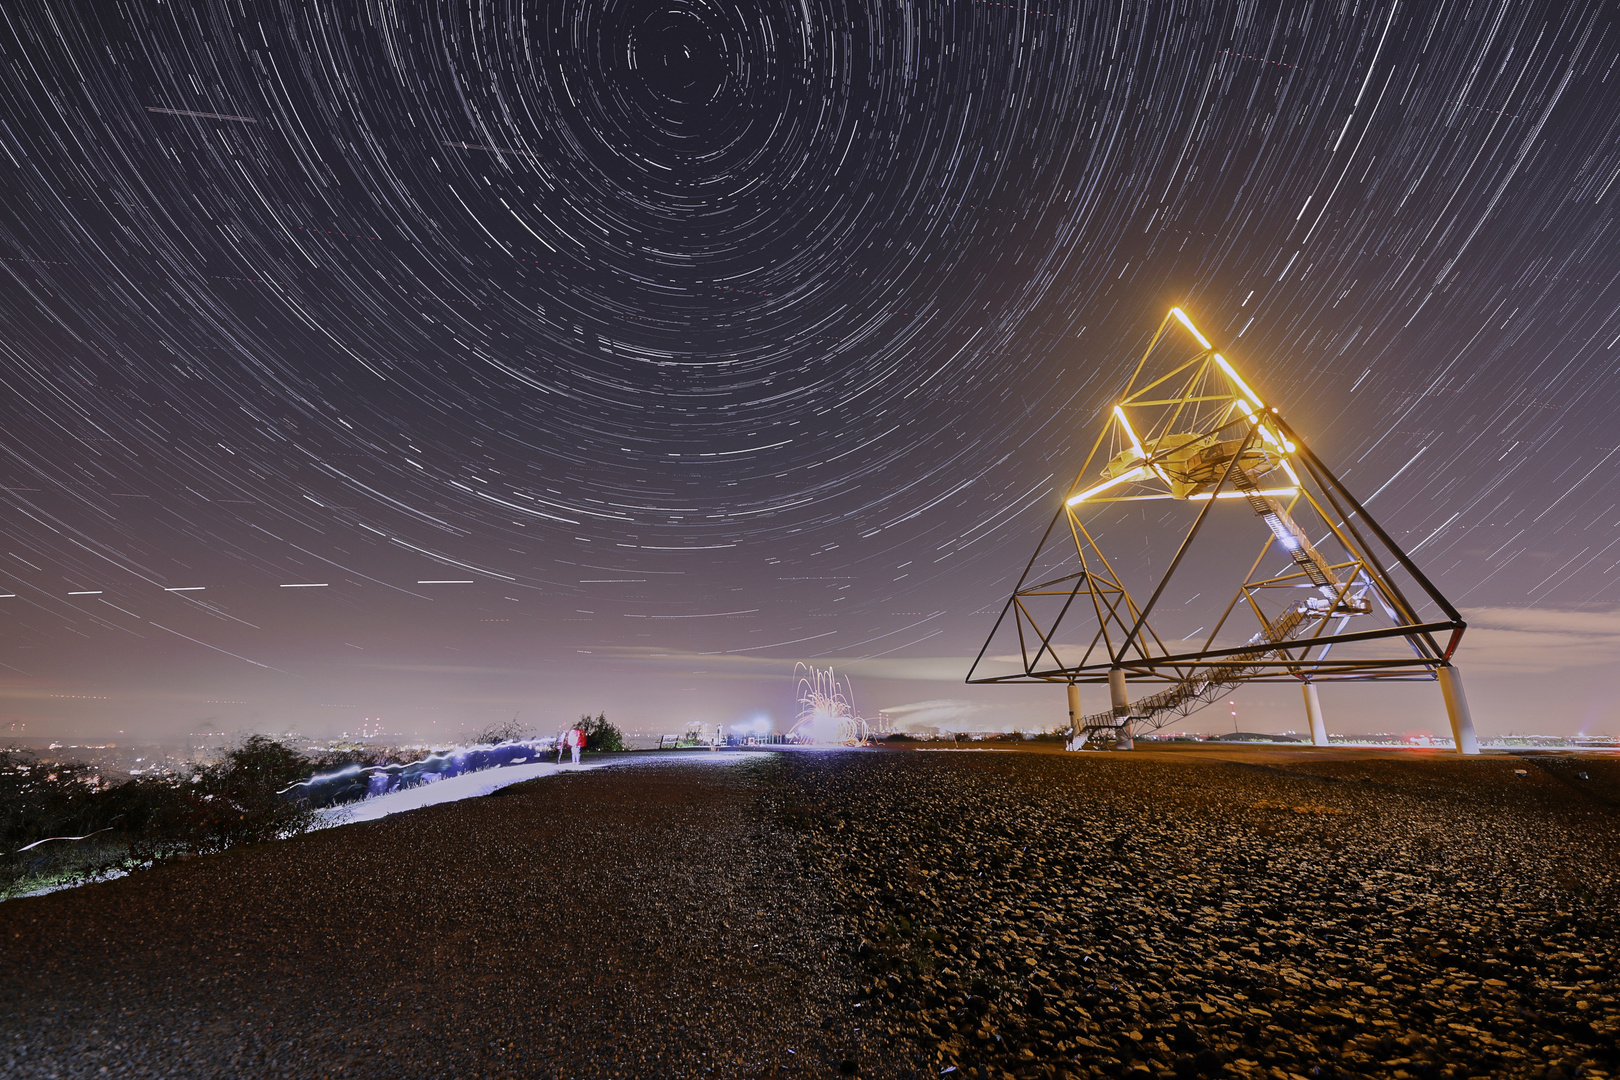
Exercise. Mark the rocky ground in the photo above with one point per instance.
(636, 922)
(1267, 913)
(1204, 913)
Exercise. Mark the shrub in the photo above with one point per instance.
(506, 731)
(599, 734)
(38, 801)
(263, 762)
(234, 802)
(140, 821)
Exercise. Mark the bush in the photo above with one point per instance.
(601, 735)
(140, 821)
(38, 801)
(507, 731)
(263, 762)
(234, 802)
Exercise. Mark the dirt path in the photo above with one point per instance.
(623, 922)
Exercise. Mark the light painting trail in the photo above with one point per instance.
(827, 713)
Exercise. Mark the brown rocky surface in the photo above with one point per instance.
(1167, 912)
(618, 922)
(1228, 912)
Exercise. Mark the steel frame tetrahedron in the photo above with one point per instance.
(1190, 429)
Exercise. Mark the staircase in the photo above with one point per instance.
(1193, 693)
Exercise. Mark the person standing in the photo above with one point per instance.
(576, 741)
(562, 744)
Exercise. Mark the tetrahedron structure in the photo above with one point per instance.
(1193, 461)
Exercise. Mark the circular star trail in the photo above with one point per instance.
(515, 339)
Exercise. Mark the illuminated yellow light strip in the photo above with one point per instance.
(1221, 360)
(1136, 444)
(1241, 494)
(1134, 474)
(1264, 434)
(1182, 315)
(1283, 445)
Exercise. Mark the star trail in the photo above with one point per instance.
(457, 359)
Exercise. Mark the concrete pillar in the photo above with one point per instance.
(1075, 715)
(1122, 708)
(1462, 721)
(1313, 713)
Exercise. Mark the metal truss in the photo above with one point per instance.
(1349, 605)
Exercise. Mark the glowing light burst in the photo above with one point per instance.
(827, 713)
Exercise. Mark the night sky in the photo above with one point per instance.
(435, 363)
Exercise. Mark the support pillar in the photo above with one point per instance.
(1313, 713)
(1122, 709)
(1075, 741)
(1462, 721)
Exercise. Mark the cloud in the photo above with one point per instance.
(958, 714)
(1522, 641)
(946, 669)
(446, 669)
(1499, 640)
(1510, 641)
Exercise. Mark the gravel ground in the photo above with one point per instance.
(1265, 914)
(1271, 913)
(635, 922)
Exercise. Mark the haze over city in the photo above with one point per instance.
(372, 366)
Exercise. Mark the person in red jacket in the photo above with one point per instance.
(576, 741)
